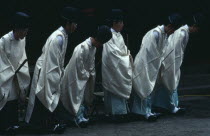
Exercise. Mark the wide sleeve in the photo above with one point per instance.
(179, 43)
(184, 39)
(168, 67)
(50, 75)
(76, 80)
(90, 86)
(23, 76)
(115, 56)
(172, 60)
(6, 75)
(146, 66)
(4, 56)
(82, 55)
(116, 69)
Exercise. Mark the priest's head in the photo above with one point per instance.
(173, 22)
(20, 25)
(70, 18)
(101, 35)
(115, 20)
(195, 22)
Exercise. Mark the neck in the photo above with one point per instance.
(165, 29)
(190, 29)
(16, 35)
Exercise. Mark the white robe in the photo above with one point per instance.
(79, 78)
(173, 58)
(48, 73)
(117, 67)
(12, 55)
(148, 61)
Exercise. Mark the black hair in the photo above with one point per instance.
(69, 15)
(20, 21)
(115, 16)
(103, 34)
(64, 22)
(175, 20)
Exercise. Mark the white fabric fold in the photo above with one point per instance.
(12, 55)
(117, 67)
(148, 61)
(48, 73)
(173, 58)
(79, 78)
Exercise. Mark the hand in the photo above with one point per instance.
(131, 58)
(128, 52)
(87, 74)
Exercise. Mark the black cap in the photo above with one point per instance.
(20, 20)
(116, 15)
(197, 19)
(103, 34)
(176, 20)
(70, 14)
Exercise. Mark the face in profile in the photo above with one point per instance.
(169, 29)
(22, 33)
(195, 29)
(71, 27)
(118, 26)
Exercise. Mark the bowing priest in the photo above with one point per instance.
(166, 97)
(49, 70)
(147, 65)
(14, 71)
(116, 70)
(79, 77)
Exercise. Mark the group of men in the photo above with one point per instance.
(59, 94)
(147, 87)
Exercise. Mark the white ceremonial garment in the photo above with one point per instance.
(117, 67)
(48, 73)
(148, 61)
(79, 78)
(173, 58)
(12, 55)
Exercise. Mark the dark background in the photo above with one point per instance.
(140, 16)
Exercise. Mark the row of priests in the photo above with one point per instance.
(59, 94)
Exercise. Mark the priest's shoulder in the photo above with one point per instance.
(56, 33)
(84, 45)
(4, 39)
(151, 33)
(6, 36)
(157, 29)
(181, 33)
(54, 36)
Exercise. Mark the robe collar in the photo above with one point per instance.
(89, 43)
(186, 27)
(115, 32)
(63, 31)
(112, 30)
(162, 29)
